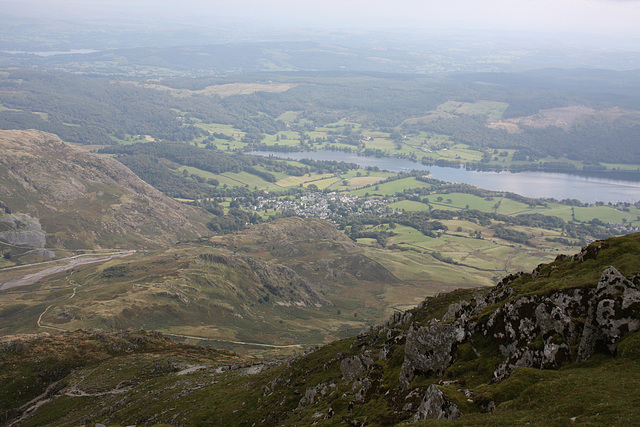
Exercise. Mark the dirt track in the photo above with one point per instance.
(75, 261)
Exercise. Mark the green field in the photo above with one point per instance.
(324, 183)
(390, 188)
(409, 205)
(295, 181)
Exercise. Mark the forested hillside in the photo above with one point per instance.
(541, 116)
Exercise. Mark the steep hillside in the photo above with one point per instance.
(78, 200)
(557, 346)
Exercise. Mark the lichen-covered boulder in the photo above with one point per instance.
(435, 406)
(314, 394)
(550, 356)
(430, 349)
(614, 310)
(351, 367)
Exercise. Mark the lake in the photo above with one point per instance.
(530, 184)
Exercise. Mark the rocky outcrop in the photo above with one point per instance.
(613, 310)
(530, 331)
(22, 230)
(543, 330)
(351, 367)
(314, 394)
(29, 238)
(430, 349)
(434, 405)
(285, 284)
(281, 284)
(539, 331)
(398, 318)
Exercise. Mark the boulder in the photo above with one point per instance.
(430, 349)
(613, 310)
(23, 231)
(435, 406)
(351, 367)
(314, 394)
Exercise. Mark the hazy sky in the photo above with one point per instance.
(590, 16)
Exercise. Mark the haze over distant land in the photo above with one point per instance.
(548, 15)
(593, 20)
(455, 35)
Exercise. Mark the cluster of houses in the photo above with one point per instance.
(623, 228)
(325, 205)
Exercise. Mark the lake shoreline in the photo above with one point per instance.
(618, 174)
(589, 188)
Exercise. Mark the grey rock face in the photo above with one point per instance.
(314, 394)
(23, 231)
(613, 309)
(430, 349)
(360, 388)
(32, 239)
(588, 252)
(351, 367)
(398, 318)
(550, 356)
(435, 406)
(538, 331)
(542, 331)
(530, 331)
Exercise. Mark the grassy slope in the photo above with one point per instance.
(600, 391)
(91, 361)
